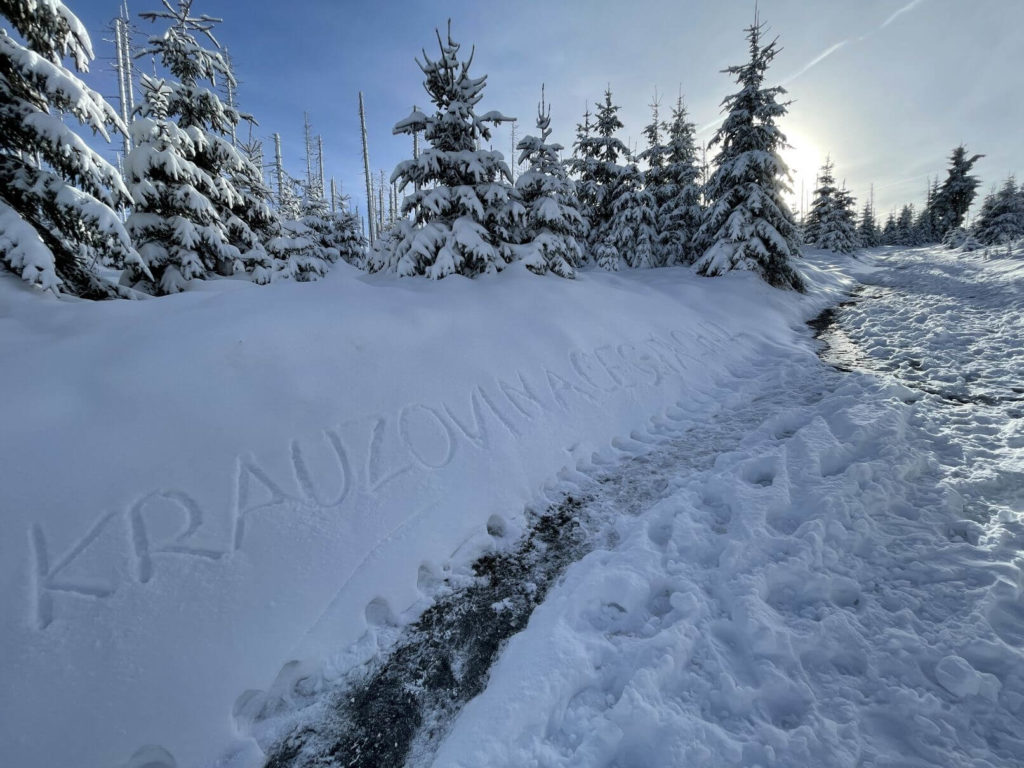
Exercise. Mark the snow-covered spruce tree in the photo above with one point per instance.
(552, 226)
(889, 230)
(679, 215)
(1001, 220)
(56, 194)
(634, 225)
(747, 224)
(928, 226)
(347, 235)
(601, 179)
(463, 208)
(258, 220)
(586, 188)
(822, 205)
(962, 239)
(958, 191)
(316, 216)
(188, 219)
(299, 246)
(654, 178)
(867, 229)
(838, 229)
(905, 232)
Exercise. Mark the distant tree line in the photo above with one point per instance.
(832, 222)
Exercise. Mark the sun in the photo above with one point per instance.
(804, 158)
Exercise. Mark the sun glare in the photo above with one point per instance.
(804, 159)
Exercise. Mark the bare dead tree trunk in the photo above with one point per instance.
(380, 204)
(366, 170)
(320, 158)
(123, 65)
(309, 153)
(279, 170)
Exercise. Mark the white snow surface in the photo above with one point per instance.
(843, 589)
(199, 489)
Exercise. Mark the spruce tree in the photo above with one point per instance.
(463, 208)
(57, 196)
(889, 233)
(603, 179)
(634, 225)
(905, 233)
(583, 156)
(182, 170)
(822, 205)
(748, 224)
(838, 231)
(253, 221)
(958, 191)
(552, 225)
(1001, 220)
(929, 225)
(679, 215)
(867, 229)
(347, 236)
(656, 181)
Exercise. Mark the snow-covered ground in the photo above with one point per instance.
(205, 492)
(844, 588)
(200, 489)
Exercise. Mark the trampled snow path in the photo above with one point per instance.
(844, 588)
(826, 572)
(400, 706)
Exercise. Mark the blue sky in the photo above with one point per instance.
(887, 87)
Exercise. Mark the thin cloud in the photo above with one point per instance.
(905, 9)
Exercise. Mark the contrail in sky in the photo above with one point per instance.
(908, 7)
(816, 60)
(824, 55)
(806, 67)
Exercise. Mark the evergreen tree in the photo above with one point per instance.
(553, 226)
(316, 217)
(56, 194)
(182, 170)
(656, 181)
(929, 225)
(905, 233)
(463, 209)
(634, 226)
(253, 221)
(601, 180)
(346, 235)
(822, 206)
(889, 234)
(680, 212)
(838, 231)
(747, 224)
(867, 229)
(1001, 220)
(954, 198)
(580, 164)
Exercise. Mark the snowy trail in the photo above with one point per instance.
(399, 705)
(844, 587)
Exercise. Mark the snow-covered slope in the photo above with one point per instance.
(198, 489)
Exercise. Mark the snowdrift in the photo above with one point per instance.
(198, 489)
